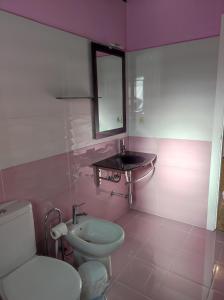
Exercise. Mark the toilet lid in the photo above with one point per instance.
(43, 278)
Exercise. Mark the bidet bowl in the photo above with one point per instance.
(95, 237)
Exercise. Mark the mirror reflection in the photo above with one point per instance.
(110, 103)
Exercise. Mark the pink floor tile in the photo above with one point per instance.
(174, 225)
(136, 274)
(168, 239)
(154, 283)
(121, 292)
(142, 229)
(219, 253)
(195, 244)
(159, 256)
(194, 267)
(152, 246)
(215, 295)
(130, 246)
(218, 283)
(174, 287)
(174, 238)
(119, 261)
(220, 236)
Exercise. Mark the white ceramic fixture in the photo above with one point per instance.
(95, 239)
(23, 274)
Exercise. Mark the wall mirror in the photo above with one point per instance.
(109, 91)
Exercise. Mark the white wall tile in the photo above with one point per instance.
(37, 64)
(179, 90)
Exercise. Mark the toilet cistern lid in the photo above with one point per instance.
(43, 278)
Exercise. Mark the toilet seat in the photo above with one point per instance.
(43, 278)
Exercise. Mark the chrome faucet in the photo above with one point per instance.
(122, 146)
(76, 214)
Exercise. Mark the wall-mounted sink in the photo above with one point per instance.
(131, 159)
(128, 161)
(125, 163)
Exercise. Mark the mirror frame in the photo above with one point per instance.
(116, 52)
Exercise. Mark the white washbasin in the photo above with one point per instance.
(95, 237)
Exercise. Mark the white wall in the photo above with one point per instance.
(37, 64)
(217, 139)
(179, 90)
(172, 92)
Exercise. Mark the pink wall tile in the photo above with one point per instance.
(183, 195)
(179, 187)
(38, 180)
(42, 182)
(143, 144)
(91, 19)
(99, 201)
(63, 180)
(155, 23)
(184, 154)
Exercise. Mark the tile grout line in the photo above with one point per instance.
(132, 289)
(214, 273)
(118, 275)
(170, 270)
(188, 234)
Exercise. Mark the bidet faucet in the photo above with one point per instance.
(122, 146)
(76, 214)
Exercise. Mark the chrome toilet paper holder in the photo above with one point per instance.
(57, 211)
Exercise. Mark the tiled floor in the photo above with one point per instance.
(166, 260)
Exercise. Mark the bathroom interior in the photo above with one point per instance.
(111, 150)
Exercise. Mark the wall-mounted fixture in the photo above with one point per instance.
(125, 163)
(109, 90)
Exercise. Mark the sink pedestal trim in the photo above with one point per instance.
(128, 176)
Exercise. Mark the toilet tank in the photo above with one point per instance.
(17, 235)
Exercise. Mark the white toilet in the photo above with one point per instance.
(23, 274)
